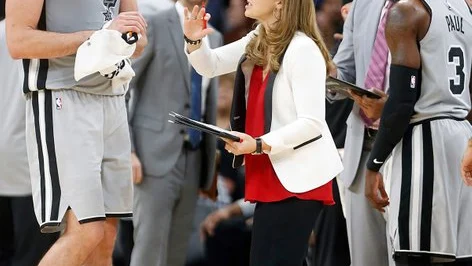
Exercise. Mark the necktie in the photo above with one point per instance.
(195, 136)
(378, 62)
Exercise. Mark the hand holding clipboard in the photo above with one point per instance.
(343, 88)
(207, 128)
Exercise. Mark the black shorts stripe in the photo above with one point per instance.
(42, 74)
(56, 189)
(93, 219)
(428, 185)
(35, 103)
(119, 215)
(404, 210)
(26, 66)
(43, 64)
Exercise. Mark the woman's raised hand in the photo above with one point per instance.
(194, 25)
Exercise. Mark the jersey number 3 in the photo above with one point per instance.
(456, 57)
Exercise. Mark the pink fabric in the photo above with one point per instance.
(378, 62)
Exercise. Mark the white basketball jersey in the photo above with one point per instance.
(446, 61)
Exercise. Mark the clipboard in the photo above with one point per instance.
(343, 87)
(204, 127)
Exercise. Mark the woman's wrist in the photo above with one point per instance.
(469, 143)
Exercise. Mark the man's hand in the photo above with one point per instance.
(130, 21)
(207, 227)
(371, 107)
(375, 190)
(466, 166)
(137, 169)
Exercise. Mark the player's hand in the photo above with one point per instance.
(131, 21)
(466, 166)
(371, 107)
(375, 190)
(137, 169)
(247, 144)
(207, 227)
(193, 23)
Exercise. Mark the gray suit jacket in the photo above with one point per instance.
(352, 61)
(162, 85)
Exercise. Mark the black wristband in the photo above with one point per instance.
(192, 42)
(258, 150)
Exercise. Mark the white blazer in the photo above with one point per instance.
(298, 110)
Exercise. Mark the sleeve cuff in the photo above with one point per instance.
(275, 143)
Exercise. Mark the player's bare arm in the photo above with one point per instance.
(407, 24)
(25, 40)
(131, 8)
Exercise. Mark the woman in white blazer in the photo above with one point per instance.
(278, 112)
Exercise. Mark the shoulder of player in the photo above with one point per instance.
(407, 12)
(408, 16)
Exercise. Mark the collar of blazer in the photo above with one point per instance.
(238, 106)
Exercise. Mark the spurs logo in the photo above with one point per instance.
(109, 4)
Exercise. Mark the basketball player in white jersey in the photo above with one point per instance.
(425, 131)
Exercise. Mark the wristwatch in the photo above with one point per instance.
(258, 150)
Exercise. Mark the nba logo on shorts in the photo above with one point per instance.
(59, 103)
(413, 82)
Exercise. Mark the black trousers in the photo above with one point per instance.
(21, 242)
(332, 245)
(281, 231)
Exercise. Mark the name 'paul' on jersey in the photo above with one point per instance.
(67, 16)
(445, 76)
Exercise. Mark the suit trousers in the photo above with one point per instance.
(281, 231)
(164, 209)
(366, 226)
(21, 242)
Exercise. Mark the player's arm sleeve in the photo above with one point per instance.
(396, 114)
(402, 34)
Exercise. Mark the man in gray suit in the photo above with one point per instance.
(357, 62)
(175, 162)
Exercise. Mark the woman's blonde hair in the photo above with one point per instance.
(295, 15)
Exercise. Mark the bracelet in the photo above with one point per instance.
(191, 42)
(258, 150)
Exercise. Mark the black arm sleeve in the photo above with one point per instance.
(398, 109)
